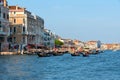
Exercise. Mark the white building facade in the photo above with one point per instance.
(49, 39)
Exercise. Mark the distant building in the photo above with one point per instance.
(110, 46)
(4, 25)
(116, 46)
(68, 43)
(93, 44)
(78, 43)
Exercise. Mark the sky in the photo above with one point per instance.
(78, 19)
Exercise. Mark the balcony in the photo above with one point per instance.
(31, 33)
(2, 33)
(25, 33)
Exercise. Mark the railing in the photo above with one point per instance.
(3, 33)
(31, 33)
(25, 33)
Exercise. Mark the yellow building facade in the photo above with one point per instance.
(25, 28)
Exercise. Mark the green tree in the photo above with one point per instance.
(58, 43)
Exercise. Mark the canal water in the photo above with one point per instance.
(104, 66)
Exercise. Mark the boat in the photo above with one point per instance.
(75, 54)
(57, 53)
(43, 54)
(85, 54)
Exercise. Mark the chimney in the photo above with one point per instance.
(16, 7)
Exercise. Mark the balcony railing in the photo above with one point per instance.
(31, 33)
(3, 33)
(25, 33)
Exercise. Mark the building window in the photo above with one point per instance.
(7, 16)
(0, 11)
(2, 39)
(23, 20)
(23, 39)
(10, 29)
(14, 12)
(14, 39)
(10, 39)
(14, 20)
(23, 29)
(4, 15)
(0, 24)
(14, 30)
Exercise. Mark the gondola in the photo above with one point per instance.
(85, 54)
(57, 53)
(75, 54)
(43, 54)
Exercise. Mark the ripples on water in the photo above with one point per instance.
(104, 66)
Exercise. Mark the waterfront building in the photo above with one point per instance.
(25, 27)
(110, 46)
(93, 44)
(49, 38)
(105, 46)
(39, 29)
(78, 43)
(116, 46)
(4, 26)
(68, 44)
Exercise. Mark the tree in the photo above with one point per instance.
(58, 43)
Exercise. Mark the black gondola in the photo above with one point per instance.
(57, 53)
(44, 54)
(75, 54)
(85, 54)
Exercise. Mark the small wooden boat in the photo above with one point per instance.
(85, 54)
(75, 54)
(43, 54)
(57, 54)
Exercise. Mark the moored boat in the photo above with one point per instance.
(44, 54)
(85, 54)
(57, 53)
(75, 54)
